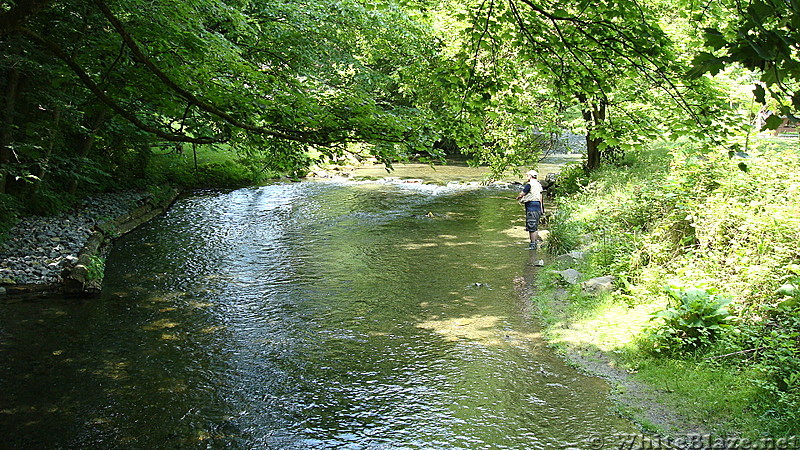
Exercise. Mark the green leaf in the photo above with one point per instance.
(789, 303)
(760, 94)
(714, 38)
(737, 154)
(788, 289)
(760, 10)
(706, 63)
(773, 122)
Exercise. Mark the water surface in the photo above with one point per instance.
(303, 315)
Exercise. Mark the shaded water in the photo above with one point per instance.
(302, 315)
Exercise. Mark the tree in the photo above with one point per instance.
(612, 59)
(266, 77)
(759, 35)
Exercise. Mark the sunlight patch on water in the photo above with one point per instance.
(517, 232)
(418, 246)
(300, 315)
(483, 329)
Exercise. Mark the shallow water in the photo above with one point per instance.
(303, 315)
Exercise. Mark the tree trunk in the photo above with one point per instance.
(592, 153)
(87, 144)
(7, 133)
(594, 114)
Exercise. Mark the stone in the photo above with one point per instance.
(571, 276)
(598, 285)
(571, 257)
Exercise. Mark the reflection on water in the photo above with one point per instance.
(460, 172)
(302, 315)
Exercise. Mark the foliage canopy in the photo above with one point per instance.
(92, 88)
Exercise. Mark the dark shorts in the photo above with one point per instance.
(533, 212)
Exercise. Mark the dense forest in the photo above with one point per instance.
(92, 90)
(94, 93)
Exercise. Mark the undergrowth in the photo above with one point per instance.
(721, 231)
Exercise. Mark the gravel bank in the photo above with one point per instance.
(38, 248)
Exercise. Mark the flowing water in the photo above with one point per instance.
(303, 315)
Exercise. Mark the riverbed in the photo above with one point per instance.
(318, 314)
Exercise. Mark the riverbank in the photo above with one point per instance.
(44, 254)
(586, 344)
(705, 242)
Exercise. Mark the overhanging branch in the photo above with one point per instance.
(307, 137)
(105, 98)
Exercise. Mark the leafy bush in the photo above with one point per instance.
(565, 233)
(96, 268)
(571, 180)
(612, 253)
(46, 202)
(219, 173)
(779, 355)
(693, 322)
(223, 173)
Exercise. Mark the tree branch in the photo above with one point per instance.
(735, 353)
(105, 98)
(188, 96)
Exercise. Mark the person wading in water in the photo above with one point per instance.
(531, 197)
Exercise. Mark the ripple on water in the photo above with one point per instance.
(304, 315)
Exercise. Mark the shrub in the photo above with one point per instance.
(96, 268)
(565, 233)
(778, 355)
(223, 173)
(693, 322)
(47, 202)
(612, 253)
(571, 180)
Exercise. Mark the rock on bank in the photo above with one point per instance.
(49, 254)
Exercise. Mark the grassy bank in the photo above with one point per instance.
(156, 170)
(705, 317)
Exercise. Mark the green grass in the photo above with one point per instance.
(718, 399)
(671, 216)
(212, 168)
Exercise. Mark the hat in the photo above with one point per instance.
(532, 173)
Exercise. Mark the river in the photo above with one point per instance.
(303, 315)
